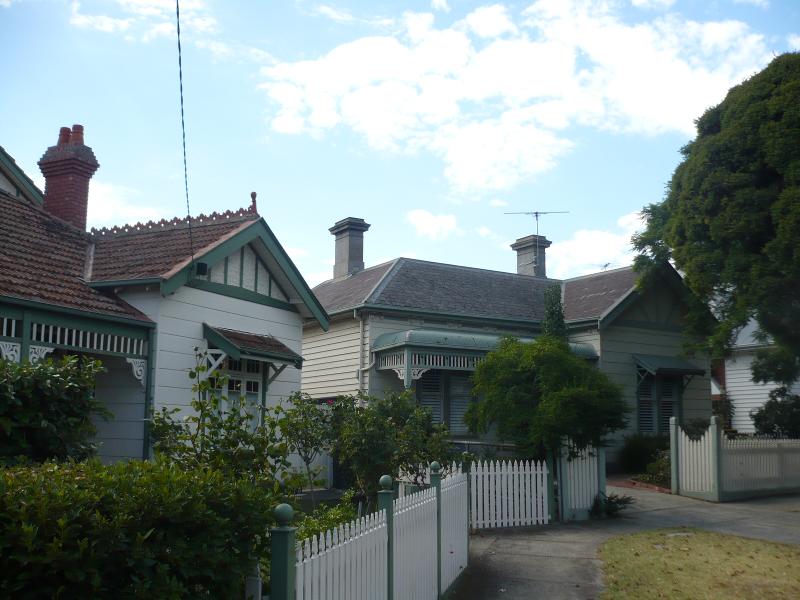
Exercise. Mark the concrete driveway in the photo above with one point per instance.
(560, 561)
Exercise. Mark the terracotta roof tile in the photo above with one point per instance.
(257, 343)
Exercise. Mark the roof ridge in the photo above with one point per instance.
(384, 280)
(178, 222)
(510, 274)
(598, 273)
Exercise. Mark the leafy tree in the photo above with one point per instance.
(305, 427)
(553, 322)
(539, 392)
(780, 415)
(731, 216)
(383, 436)
(46, 409)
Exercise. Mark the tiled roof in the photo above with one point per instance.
(151, 250)
(590, 296)
(350, 291)
(43, 259)
(252, 342)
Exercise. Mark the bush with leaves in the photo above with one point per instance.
(659, 471)
(780, 415)
(540, 392)
(325, 518)
(130, 530)
(384, 436)
(46, 409)
(639, 450)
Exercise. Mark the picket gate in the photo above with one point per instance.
(509, 494)
(454, 527)
(581, 479)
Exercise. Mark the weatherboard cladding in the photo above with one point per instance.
(456, 290)
(43, 259)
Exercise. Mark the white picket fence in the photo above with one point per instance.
(415, 546)
(347, 563)
(509, 494)
(454, 527)
(716, 468)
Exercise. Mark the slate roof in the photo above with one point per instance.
(457, 290)
(43, 259)
(151, 250)
(590, 296)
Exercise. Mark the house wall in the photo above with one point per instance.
(122, 436)
(651, 325)
(587, 336)
(331, 359)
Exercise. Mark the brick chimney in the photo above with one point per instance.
(349, 234)
(531, 255)
(67, 168)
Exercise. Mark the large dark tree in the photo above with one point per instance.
(553, 321)
(731, 219)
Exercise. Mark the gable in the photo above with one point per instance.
(244, 269)
(15, 182)
(657, 307)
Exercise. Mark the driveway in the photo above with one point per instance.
(560, 561)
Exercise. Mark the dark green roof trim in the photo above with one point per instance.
(240, 293)
(259, 230)
(236, 352)
(477, 319)
(72, 317)
(19, 178)
(666, 365)
(617, 309)
(114, 283)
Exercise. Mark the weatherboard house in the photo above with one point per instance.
(142, 297)
(423, 326)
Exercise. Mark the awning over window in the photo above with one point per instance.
(667, 365)
(241, 344)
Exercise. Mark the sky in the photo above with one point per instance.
(428, 119)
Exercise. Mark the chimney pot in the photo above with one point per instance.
(349, 234)
(67, 168)
(531, 255)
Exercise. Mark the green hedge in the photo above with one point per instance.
(134, 530)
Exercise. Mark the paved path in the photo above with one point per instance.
(560, 561)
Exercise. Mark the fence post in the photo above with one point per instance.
(673, 455)
(716, 459)
(386, 503)
(436, 482)
(551, 473)
(563, 484)
(466, 468)
(282, 569)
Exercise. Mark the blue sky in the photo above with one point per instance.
(427, 119)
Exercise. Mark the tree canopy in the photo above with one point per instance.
(553, 321)
(537, 393)
(731, 217)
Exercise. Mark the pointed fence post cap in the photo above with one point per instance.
(436, 467)
(385, 482)
(283, 514)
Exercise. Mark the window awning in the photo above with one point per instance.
(666, 365)
(242, 344)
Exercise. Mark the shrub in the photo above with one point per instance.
(609, 505)
(46, 409)
(659, 471)
(132, 530)
(695, 428)
(325, 518)
(639, 450)
(780, 415)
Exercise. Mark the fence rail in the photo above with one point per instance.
(509, 494)
(716, 468)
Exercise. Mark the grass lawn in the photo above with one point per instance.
(689, 563)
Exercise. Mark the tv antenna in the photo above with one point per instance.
(536, 214)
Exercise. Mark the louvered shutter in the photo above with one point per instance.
(666, 406)
(429, 393)
(460, 396)
(645, 404)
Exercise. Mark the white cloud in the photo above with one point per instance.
(497, 203)
(490, 21)
(757, 3)
(485, 232)
(111, 204)
(794, 41)
(653, 4)
(592, 250)
(98, 22)
(440, 5)
(434, 227)
(500, 110)
(334, 14)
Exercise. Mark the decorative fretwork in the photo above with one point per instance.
(422, 361)
(139, 367)
(10, 351)
(70, 337)
(391, 360)
(37, 353)
(9, 327)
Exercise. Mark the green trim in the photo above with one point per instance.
(386, 504)
(25, 345)
(149, 394)
(237, 353)
(436, 483)
(240, 293)
(10, 312)
(535, 326)
(241, 266)
(255, 275)
(83, 350)
(269, 279)
(225, 272)
(61, 310)
(258, 230)
(112, 283)
(18, 177)
(88, 325)
(615, 311)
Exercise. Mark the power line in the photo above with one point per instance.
(183, 130)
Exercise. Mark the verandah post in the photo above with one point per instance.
(673, 455)
(282, 563)
(436, 483)
(386, 503)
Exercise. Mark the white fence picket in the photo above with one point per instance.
(415, 539)
(454, 527)
(506, 494)
(760, 464)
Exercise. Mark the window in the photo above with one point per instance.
(657, 399)
(447, 394)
